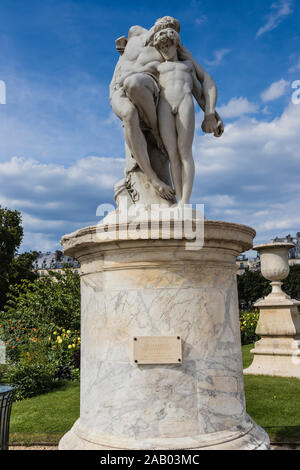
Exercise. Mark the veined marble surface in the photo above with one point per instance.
(142, 288)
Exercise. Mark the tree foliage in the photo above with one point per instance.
(49, 301)
(11, 233)
(13, 268)
(21, 267)
(291, 285)
(251, 287)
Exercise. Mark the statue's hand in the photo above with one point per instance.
(220, 129)
(210, 123)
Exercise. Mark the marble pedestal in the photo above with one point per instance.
(156, 287)
(278, 350)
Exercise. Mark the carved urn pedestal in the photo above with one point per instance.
(157, 288)
(278, 350)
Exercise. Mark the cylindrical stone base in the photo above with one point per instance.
(149, 287)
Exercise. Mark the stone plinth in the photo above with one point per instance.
(278, 350)
(146, 287)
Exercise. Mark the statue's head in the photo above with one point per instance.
(136, 31)
(166, 41)
(167, 22)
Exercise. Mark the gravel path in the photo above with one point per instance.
(33, 448)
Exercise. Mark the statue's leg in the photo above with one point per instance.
(142, 90)
(185, 125)
(167, 127)
(136, 141)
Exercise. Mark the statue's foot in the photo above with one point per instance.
(164, 190)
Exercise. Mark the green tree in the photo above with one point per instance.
(49, 301)
(11, 233)
(291, 285)
(21, 267)
(251, 287)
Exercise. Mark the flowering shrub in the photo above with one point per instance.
(31, 379)
(63, 344)
(36, 364)
(40, 329)
(15, 335)
(248, 323)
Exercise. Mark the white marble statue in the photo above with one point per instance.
(151, 92)
(153, 279)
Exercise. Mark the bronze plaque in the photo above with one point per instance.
(157, 350)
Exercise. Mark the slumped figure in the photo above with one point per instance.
(151, 92)
(178, 82)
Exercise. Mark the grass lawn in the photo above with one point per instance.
(45, 418)
(273, 402)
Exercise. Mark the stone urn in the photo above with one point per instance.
(278, 350)
(274, 264)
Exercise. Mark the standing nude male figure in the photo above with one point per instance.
(134, 94)
(176, 116)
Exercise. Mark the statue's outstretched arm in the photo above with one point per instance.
(212, 122)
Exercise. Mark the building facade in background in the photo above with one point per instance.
(294, 253)
(46, 262)
(244, 262)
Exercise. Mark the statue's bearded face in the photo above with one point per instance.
(166, 41)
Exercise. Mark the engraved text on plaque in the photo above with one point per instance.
(157, 350)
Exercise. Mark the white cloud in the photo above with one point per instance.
(284, 223)
(266, 110)
(54, 199)
(279, 11)
(275, 90)
(237, 107)
(254, 170)
(219, 200)
(219, 55)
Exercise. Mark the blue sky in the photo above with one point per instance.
(61, 148)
